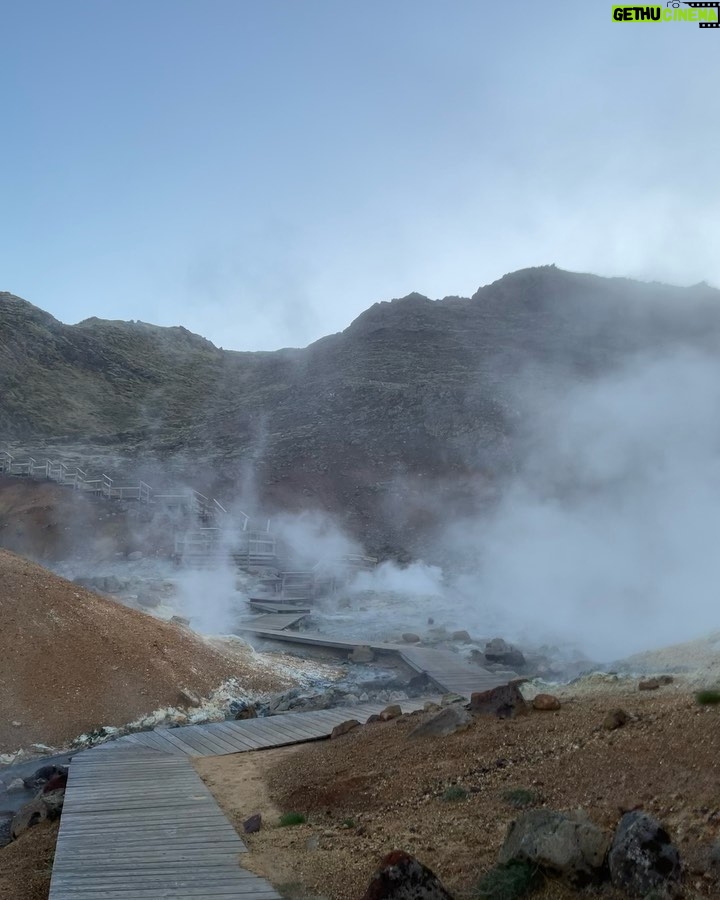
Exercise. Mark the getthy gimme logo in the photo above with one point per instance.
(705, 14)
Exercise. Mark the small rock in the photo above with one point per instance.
(443, 723)
(390, 712)
(15, 786)
(253, 824)
(642, 857)
(187, 698)
(16, 724)
(344, 727)
(504, 701)
(545, 702)
(244, 710)
(373, 718)
(649, 684)
(402, 877)
(448, 699)
(616, 718)
(180, 620)
(410, 638)
(499, 651)
(461, 637)
(362, 654)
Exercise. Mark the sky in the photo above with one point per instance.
(261, 171)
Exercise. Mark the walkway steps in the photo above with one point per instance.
(139, 825)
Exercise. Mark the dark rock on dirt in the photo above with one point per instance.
(649, 684)
(642, 857)
(443, 723)
(565, 846)
(391, 712)
(546, 702)
(402, 877)
(253, 824)
(505, 702)
(616, 718)
(344, 728)
(411, 638)
(499, 651)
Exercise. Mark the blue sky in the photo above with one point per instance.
(263, 171)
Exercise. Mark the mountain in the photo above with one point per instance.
(387, 422)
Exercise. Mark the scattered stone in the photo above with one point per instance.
(449, 699)
(443, 723)
(565, 846)
(616, 718)
(373, 718)
(362, 654)
(411, 638)
(45, 774)
(245, 711)
(253, 824)
(642, 857)
(504, 701)
(187, 698)
(180, 620)
(344, 727)
(649, 684)
(461, 637)
(402, 877)
(499, 651)
(545, 702)
(390, 712)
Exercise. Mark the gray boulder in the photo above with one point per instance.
(443, 723)
(642, 857)
(567, 846)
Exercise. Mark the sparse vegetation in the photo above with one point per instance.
(510, 882)
(520, 798)
(455, 793)
(292, 818)
(708, 698)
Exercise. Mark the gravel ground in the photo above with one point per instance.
(26, 864)
(376, 789)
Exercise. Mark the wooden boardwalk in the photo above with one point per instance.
(220, 738)
(140, 825)
(445, 669)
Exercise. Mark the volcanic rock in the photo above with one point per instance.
(642, 857)
(391, 712)
(344, 727)
(616, 718)
(402, 877)
(504, 701)
(545, 702)
(443, 723)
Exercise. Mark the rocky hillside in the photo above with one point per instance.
(390, 419)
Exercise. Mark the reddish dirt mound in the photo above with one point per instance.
(71, 661)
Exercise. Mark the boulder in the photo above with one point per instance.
(15, 786)
(567, 846)
(443, 723)
(499, 651)
(245, 711)
(649, 684)
(411, 638)
(402, 877)
(362, 654)
(546, 702)
(344, 727)
(390, 712)
(616, 718)
(505, 702)
(642, 857)
(373, 718)
(43, 807)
